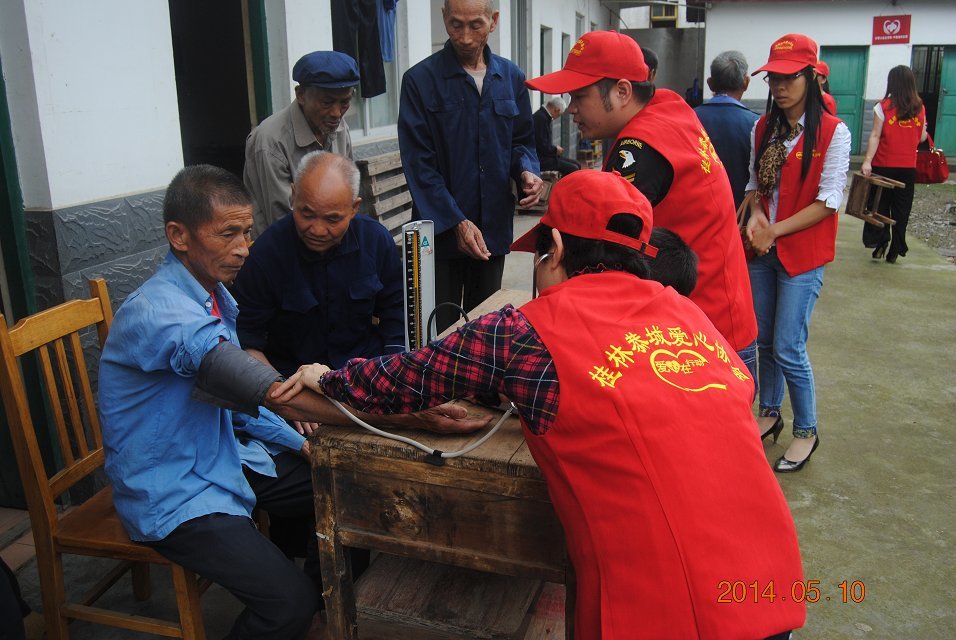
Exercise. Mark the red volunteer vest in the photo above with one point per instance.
(656, 471)
(699, 207)
(899, 138)
(830, 103)
(814, 246)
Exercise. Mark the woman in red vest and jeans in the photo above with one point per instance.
(899, 125)
(800, 157)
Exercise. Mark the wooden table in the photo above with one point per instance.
(488, 510)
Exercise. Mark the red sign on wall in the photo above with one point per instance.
(891, 29)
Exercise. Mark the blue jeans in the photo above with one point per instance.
(749, 355)
(783, 305)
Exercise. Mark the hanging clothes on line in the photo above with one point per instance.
(386, 28)
(355, 31)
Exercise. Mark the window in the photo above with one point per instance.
(368, 116)
(663, 15)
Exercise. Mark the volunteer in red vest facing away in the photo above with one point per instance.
(800, 158)
(663, 150)
(899, 125)
(823, 75)
(618, 382)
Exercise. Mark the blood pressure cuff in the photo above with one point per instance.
(232, 379)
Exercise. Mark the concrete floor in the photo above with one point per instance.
(876, 504)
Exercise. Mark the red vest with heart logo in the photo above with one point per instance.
(699, 207)
(899, 138)
(656, 469)
(814, 246)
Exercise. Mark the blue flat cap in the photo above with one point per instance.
(327, 69)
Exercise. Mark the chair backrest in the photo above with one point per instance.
(53, 336)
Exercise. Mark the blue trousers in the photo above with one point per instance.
(280, 600)
(783, 305)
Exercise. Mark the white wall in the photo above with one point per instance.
(93, 108)
(308, 28)
(559, 16)
(750, 27)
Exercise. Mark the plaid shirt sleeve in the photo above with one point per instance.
(498, 352)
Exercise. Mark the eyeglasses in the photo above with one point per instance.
(776, 78)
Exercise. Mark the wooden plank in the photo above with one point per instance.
(378, 186)
(453, 602)
(383, 162)
(496, 528)
(390, 204)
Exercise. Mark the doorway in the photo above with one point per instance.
(847, 79)
(927, 66)
(212, 52)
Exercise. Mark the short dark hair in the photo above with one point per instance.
(582, 255)
(643, 91)
(196, 190)
(650, 58)
(675, 264)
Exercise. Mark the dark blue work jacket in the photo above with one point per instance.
(460, 150)
(299, 307)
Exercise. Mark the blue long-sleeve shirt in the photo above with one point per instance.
(171, 458)
(460, 150)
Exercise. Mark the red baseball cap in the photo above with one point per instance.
(597, 55)
(583, 203)
(823, 68)
(790, 54)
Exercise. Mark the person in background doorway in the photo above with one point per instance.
(550, 155)
(899, 125)
(823, 78)
(727, 121)
(801, 155)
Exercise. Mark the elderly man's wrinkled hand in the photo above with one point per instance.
(533, 186)
(471, 242)
(446, 418)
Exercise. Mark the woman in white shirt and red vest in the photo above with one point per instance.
(899, 125)
(800, 157)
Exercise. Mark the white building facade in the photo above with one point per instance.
(105, 100)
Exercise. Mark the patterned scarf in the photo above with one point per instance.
(768, 171)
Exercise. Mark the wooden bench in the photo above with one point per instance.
(384, 192)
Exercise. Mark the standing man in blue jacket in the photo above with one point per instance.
(727, 121)
(465, 132)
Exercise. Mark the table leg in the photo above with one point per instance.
(338, 591)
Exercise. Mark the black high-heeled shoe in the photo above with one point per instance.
(880, 250)
(775, 429)
(789, 466)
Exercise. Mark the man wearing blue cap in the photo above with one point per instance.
(315, 121)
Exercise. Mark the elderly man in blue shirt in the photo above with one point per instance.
(465, 132)
(174, 454)
(727, 121)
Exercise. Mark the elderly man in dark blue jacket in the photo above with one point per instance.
(464, 130)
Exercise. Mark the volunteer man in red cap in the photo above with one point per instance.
(664, 151)
(823, 79)
(617, 380)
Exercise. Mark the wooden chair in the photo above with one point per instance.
(864, 197)
(92, 528)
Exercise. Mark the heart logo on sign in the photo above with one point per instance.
(891, 26)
